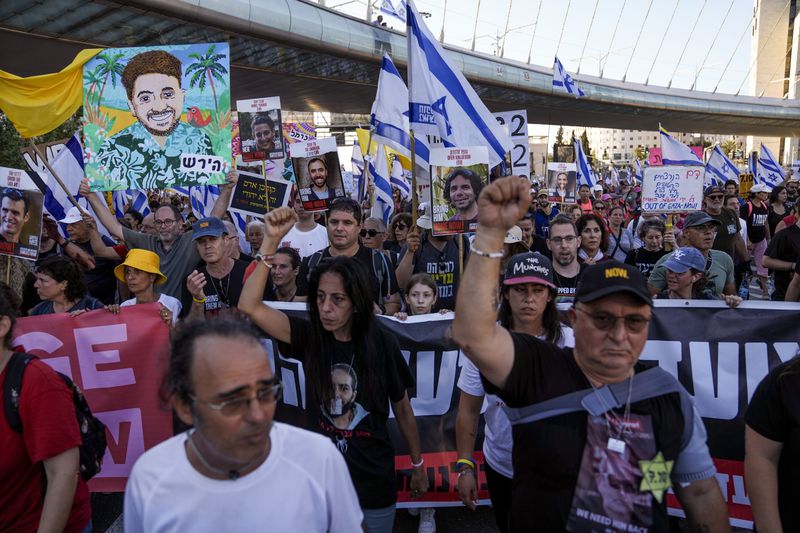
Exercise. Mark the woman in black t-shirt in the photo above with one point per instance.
(755, 212)
(651, 233)
(353, 370)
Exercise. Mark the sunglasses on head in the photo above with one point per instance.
(370, 232)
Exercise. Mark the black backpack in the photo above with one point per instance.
(93, 431)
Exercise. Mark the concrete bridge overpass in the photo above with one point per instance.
(317, 59)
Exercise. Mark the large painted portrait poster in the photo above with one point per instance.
(157, 117)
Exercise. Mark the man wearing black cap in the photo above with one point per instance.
(607, 463)
(729, 237)
(699, 231)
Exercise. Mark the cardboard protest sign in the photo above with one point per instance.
(746, 182)
(518, 160)
(252, 195)
(157, 117)
(260, 129)
(672, 189)
(295, 132)
(20, 214)
(561, 182)
(458, 175)
(102, 353)
(316, 165)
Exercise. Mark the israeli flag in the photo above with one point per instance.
(441, 101)
(399, 179)
(720, 169)
(769, 170)
(614, 177)
(68, 164)
(389, 115)
(674, 152)
(563, 81)
(357, 162)
(585, 175)
(638, 173)
(136, 200)
(383, 206)
(398, 12)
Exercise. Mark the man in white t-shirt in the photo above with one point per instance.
(306, 236)
(236, 470)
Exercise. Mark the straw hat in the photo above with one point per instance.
(144, 260)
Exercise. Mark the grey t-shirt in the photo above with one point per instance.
(176, 263)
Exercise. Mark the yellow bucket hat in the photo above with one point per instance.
(144, 260)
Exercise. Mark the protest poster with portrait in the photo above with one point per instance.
(157, 117)
(458, 175)
(260, 129)
(561, 182)
(20, 214)
(319, 177)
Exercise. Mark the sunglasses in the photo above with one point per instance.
(370, 232)
(400, 227)
(715, 197)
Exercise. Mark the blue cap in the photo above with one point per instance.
(208, 227)
(685, 258)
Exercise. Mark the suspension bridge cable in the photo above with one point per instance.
(502, 47)
(761, 49)
(563, 25)
(641, 29)
(475, 27)
(591, 23)
(703, 64)
(663, 38)
(613, 35)
(733, 54)
(533, 33)
(687, 43)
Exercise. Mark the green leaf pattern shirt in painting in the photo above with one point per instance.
(132, 159)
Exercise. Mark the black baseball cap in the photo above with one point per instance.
(529, 267)
(698, 218)
(611, 277)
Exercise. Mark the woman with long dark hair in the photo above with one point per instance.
(777, 207)
(620, 240)
(353, 367)
(594, 239)
(398, 230)
(528, 306)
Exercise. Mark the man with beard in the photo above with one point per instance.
(461, 189)
(563, 243)
(545, 212)
(318, 174)
(791, 193)
(699, 231)
(345, 413)
(147, 154)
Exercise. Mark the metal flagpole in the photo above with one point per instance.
(362, 187)
(414, 201)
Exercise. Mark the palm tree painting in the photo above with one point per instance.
(207, 67)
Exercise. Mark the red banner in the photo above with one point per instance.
(118, 361)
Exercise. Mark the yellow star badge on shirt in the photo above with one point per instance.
(656, 476)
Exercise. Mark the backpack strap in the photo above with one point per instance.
(647, 384)
(380, 267)
(12, 388)
(313, 261)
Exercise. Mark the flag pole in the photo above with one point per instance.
(414, 201)
(55, 175)
(362, 188)
(266, 183)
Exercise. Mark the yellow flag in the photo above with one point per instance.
(39, 104)
(363, 142)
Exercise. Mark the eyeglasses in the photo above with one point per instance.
(705, 228)
(606, 321)
(370, 232)
(166, 223)
(568, 239)
(238, 406)
(400, 227)
(715, 197)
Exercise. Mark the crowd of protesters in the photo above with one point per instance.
(528, 255)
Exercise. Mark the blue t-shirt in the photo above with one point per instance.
(543, 222)
(87, 302)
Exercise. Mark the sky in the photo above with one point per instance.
(642, 40)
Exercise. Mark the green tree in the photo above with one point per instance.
(640, 152)
(585, 144)
(729, 146)
(207, 67)
(11, 142)
(111, 67)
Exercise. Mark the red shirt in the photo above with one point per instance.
(49, 427)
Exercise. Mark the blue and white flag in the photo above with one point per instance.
(638, 173)
(135, 199)
(752, 166)
(585, 174)
(357, 162)
(441, 101)
(140, 203)
(563, 81)
(383, 205)
(674, 152)
(770, 172)
(398, 12)
(614, 177)
(720, 169)
(389, 116)
(399, 179)
(68, 164)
